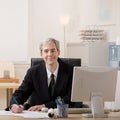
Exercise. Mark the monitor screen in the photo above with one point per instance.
(94, 83)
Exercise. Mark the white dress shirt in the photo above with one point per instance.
(49, 74)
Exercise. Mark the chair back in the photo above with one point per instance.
(71, 61)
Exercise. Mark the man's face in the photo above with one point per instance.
(50, 53)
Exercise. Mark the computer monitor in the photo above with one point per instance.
(96, 84)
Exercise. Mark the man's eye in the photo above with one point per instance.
(52, 50)
(46, 51)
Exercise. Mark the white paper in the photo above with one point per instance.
(26, 114)
(5, 112)
(31, 114)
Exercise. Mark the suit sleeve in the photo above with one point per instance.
(24, 90)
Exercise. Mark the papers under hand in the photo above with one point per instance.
(31, 114)
(3, 112)
(26, 114)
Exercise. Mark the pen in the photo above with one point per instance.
(57, 103)
(63, 102)
(18, 108)
(59, 100)
(14, 99)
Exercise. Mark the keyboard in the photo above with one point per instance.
(83, 110)
(79, 110)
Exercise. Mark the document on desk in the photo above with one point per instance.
(26, 114)
(33, 114)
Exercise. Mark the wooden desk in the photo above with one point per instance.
(9, 80)
(112, 116)
(9, 84)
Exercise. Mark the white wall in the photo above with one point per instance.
(44, 20)
(13, 36)
(24, 23)
(44, 16)
(14, 30)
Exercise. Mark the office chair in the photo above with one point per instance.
(71, 61)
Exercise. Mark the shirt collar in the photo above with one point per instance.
(55, 72)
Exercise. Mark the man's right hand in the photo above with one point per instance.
(17, 108)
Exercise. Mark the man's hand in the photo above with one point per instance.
(17, 108)
(36, 107)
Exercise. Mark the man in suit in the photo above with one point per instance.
(36, 83)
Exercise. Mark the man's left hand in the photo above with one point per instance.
(36, 107)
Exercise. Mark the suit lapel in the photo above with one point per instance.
(61, 78)
(43, 81)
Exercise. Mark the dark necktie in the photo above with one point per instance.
(52, 86)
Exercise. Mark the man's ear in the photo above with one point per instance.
(58, 52)
(40, 53)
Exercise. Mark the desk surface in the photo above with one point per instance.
(112, 116)
(9, 85)
(9, 80)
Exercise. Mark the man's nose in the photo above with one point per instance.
(49, 53)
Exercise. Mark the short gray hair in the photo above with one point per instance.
(56, 42)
